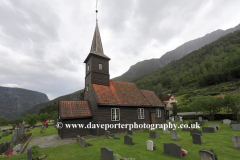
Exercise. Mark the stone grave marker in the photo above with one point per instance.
(77, 138)
(153, 134)
(166, 131)
(107, 134)
(186, 129)
(106, 154)
(227, 121)
(236, 141)
(200, 118)
(205, 121)
(2, 134)
(181, 122)
(29, 154)
(221, 121)
(130, 132)
(190, 124)
(195, 131)
(238, 121)
(172, 149)
(176, 118)
(172, 119)
(215, 126)
(197, 139)
(128, 140)
(180, 118)
(208, 130)
(235, 127)
(174, 135)
(206, 155)
(82, 141)
(150, 145)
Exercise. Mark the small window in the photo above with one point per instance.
(140, 113)
(100, 66)
(158, 112)
(115, 114)
(88, 67)
(87, 88)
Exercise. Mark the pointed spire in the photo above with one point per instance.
(96, 42)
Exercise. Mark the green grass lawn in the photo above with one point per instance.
(49, 131)
(220, 142)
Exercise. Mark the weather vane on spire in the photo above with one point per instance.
(96, 10)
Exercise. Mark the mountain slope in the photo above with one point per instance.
(14, 101)
(70, 97)
(147, 66)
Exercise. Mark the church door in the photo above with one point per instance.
(153, 118)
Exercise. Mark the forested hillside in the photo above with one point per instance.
(214, 63)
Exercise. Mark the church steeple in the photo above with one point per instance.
(97, 63)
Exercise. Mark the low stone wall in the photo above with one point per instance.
(192, 116)
(25, 145)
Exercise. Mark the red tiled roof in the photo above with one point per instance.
(166, 98)
(152, 98)
(71, 109)
(120, 93)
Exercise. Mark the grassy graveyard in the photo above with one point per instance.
(219, 141)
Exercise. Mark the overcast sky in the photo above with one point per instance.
(43, 43)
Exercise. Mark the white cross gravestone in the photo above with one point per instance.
(181, 118)
(150, 145)
(173, 119)
(200, 118)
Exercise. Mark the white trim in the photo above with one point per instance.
(158, 112)
(140, 112)
(100, 66)
(115, 117)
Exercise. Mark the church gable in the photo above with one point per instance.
(152, 98)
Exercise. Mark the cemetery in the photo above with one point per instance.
(142, 145)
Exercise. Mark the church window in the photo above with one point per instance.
(100, 66)
(88, 67)
(140, 113)
(158, 112)
(87, 87)
(115, 114)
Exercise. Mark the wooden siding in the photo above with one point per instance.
(92, 102)
(73, 132)
(128, 115)
(105, 65)
(99, 78)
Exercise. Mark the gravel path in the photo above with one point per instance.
(49, 141)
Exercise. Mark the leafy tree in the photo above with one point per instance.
(158, 90)
(208, 105)
(232, 104)
(175, 85)
(31, 119)
(174, 109)
(16, 121)
(81, 96)
(43, 117)
(55, 117)
(3, 121)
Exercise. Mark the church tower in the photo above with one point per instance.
(97, 63)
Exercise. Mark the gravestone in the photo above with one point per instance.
(106, 154)
(107, 134)
(29, 154)
(176, 118)
(150, 145)
(200, 118)
(238, 121)
(172, 149)
(146, 130)
(153, 134)
(233, 123)
(227, 121)
(172, 119)
(130, 132)
(174, 135)
(180, 118)
(82, 142)
(23, 130)
(208, 130)
(206, 155)
(221, 121)
(196, 138)
(77, 138)
(205, 121)
(2, 134)
(215, 126)
(181, 122)
(1, 147)
(236, 127)
(236, 141)
(195, 131)
(128, 140)
(165, 131)
(186, 129)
